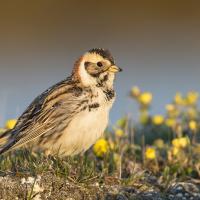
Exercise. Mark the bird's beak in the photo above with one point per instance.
(114, 69)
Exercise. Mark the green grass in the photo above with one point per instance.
(149, 153)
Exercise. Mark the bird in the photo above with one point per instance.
(69, 117)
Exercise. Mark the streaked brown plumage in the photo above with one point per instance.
(71, 115)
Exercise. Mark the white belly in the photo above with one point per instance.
(83, 131)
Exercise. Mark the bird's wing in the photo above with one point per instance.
(35, 107)
(46, 113)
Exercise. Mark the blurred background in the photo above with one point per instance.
(155, 42)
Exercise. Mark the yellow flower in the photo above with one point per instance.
(192, 113)
(178, 99)
(101, 147)
(175, 151)
(192, 97)
(193, 125)
(159, 143)
(170, 107)
(119, 132)
(10, 124)
(184, 141)
(145, 98)
(176, 142)
(172, 110)
(170, 122)
(135, 91)
(158, 120)
(181, 142)
(150, 153)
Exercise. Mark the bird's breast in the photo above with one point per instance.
(86, 126)
(84, 130)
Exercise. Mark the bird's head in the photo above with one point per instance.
(96, 67)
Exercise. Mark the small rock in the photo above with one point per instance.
(186, 194)
(179, 188)
(129, 190)
(171, 196)
(121, 197)
(179, 195)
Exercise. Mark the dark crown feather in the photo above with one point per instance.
(105, 53)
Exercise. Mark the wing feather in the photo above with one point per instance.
(44, 116)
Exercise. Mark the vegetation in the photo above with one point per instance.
(165, 146)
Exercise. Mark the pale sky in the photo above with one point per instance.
(157, 45)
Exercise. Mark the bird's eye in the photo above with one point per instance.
(99, 64)
(86, 64)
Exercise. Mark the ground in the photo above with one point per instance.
(153, 158)
(77, 179)
(50, 187)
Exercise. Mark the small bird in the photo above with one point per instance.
(71, 115)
